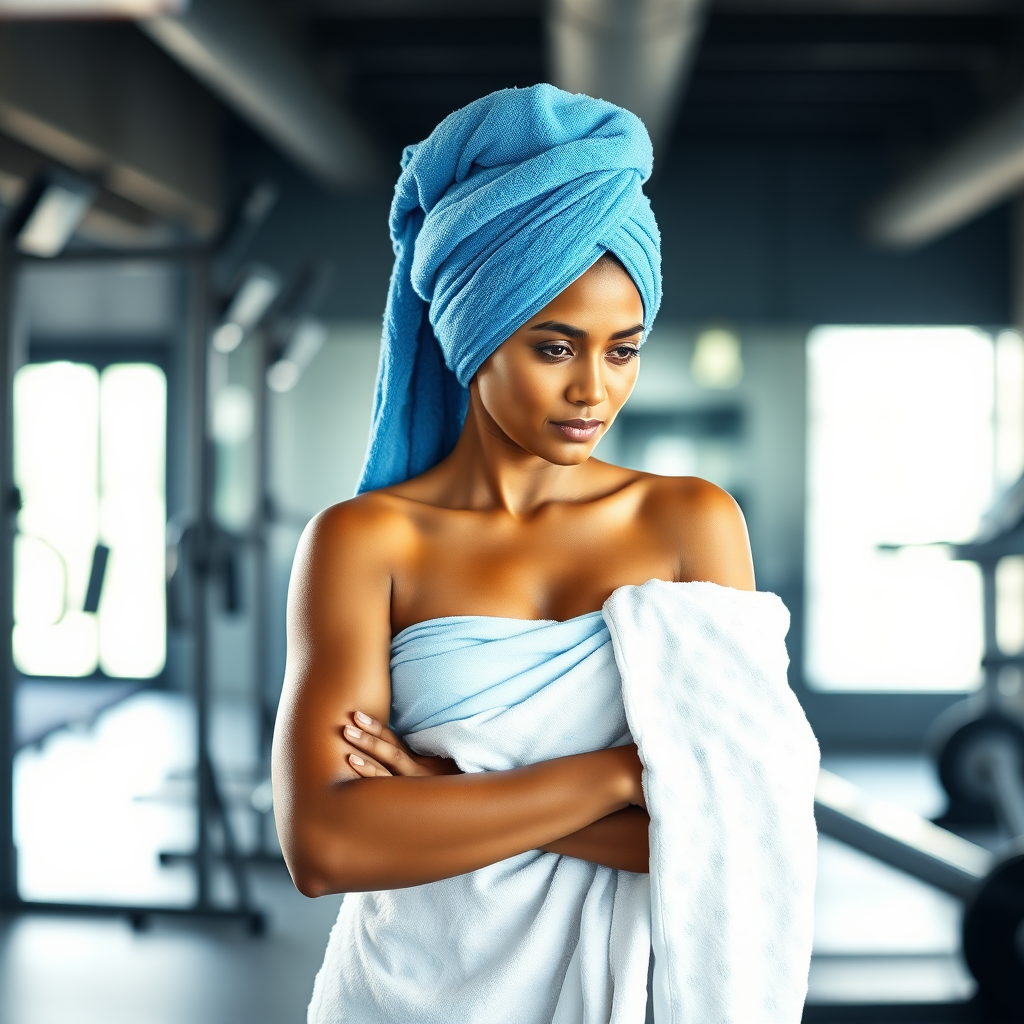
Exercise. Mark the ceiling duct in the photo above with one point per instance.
(982, 168)
(154, 148)
(636, 53)
(249, 63)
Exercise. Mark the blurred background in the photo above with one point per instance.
(193, 267)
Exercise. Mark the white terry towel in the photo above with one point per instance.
(698, 672)
(730, 769)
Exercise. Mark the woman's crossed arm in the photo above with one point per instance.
(618, 840)
(343, 831)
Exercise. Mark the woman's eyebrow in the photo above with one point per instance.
(619, 335)
(567, 329)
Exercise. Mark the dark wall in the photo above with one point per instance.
(755, 231)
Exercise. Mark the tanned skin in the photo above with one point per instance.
(518, 522)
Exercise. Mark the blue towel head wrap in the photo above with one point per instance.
(507, 202)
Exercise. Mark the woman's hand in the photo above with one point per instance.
(384, 754)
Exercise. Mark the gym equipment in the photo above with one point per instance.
(228, 548)
(991, 886)
(979, 754)
(977, 743)
(200, 264)
(978, 747)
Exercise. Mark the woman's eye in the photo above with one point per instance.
(555, 350)
(624, 353)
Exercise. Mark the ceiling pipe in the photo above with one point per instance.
(978, 171)
(636, 53)
(246, 60)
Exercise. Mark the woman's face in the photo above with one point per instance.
(557, 384)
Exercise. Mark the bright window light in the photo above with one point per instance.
(89, 462)
(133, 518)
(1010, 604)
(56, 408)
(900, 452)
(1009, 407)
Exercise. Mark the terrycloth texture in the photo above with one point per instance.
(507, 202)
(730, 765)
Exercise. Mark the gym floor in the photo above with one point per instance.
(95, 805)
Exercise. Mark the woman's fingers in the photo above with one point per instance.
(375, 728)
(367, 767)
(394, 758)
(383, 746)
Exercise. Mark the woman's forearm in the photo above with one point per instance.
(388, 833)
(617, 840)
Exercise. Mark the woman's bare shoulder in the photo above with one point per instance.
(691, 495)
(705, 526)
(371, 529)
(675, 496)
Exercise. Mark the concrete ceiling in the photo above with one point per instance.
(762, 66)
(100, 100)
(908, 74)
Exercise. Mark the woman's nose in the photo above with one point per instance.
(588, 386)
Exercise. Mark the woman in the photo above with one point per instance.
(499, 835)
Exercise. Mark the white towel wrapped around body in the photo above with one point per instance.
(696, 675)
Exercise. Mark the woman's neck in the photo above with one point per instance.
(487, 471)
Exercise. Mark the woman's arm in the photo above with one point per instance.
(618, 840)
(342, 832)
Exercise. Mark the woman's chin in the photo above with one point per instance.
(567, 454)
(559, 451)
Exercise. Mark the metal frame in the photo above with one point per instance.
(211, 811)
(256, 540)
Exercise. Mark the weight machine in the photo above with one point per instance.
(199, 546)
(978, 748)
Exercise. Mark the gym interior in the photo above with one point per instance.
(193, 266)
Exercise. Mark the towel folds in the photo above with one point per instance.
(695, 674)
(507, 202)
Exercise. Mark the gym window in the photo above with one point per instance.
(89, 462)
(911, 433)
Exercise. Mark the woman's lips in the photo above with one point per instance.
(578, 430)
